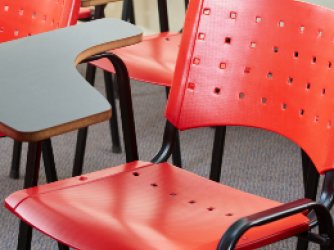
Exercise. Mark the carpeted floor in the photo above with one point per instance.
(255, 161)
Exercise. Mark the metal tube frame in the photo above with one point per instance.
(326, 230)
(128, 123)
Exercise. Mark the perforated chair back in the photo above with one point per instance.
(22, 18)
(259, 63)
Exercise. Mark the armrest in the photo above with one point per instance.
(236, 230)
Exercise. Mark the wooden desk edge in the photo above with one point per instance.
(89, 3)
(107, 46)
(80, 123)
(57, 130)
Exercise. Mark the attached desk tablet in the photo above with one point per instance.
(43, 95)
(41, 92)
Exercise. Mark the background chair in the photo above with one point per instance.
(25, 18)
(85, 14)
(257, 63)
(151, 61)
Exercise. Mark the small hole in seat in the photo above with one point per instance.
(330, 64)
(21, 11)
(210, 208)
(229, 214)
(241, 95)
(154, 184)
(191, 85)
(296, 54)
(320, 33)
(284, 106)
(34, 15)
(316, 119)
(206, 11)
(258, 19)
(275, 49)
(290, 80)
(228, 40)
(253, 45)
(247, 70)
(323, 91)
(301, 112)
(270, 75)
(222, 65)
(135, 174)
(314, 59)
(201, 36)
(329, 124)
(233, 15)
(308, 86)
(217, 90)
(191, 202)
(196, 61)
(264, 100)
(173, 194)
(281, 24)
(2, 29)
(302, 29)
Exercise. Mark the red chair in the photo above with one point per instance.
(25, 18)
(151, 61)
(258, 63)
(85, 14)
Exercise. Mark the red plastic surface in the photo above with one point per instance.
(260, 63)
(145, 206)
(152, 60)
(22, 18)
(85, 13)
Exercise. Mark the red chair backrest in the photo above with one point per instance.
(20, 18)
(259, 63)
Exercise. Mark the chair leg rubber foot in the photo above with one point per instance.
(116, 149)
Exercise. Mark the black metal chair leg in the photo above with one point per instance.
(310, 177)
(82, 133)
(62, 246)
(113, 122)
(49, 162)
(302, 244)
(80, 152)
(311, 182)
(99, 11)
(176, 156)
(16, 159)
(30, 180)
(128, 13)
(217, 153)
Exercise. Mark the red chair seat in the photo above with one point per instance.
(142, 205)
(85, 13)
(153, 60)
(2, 135)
